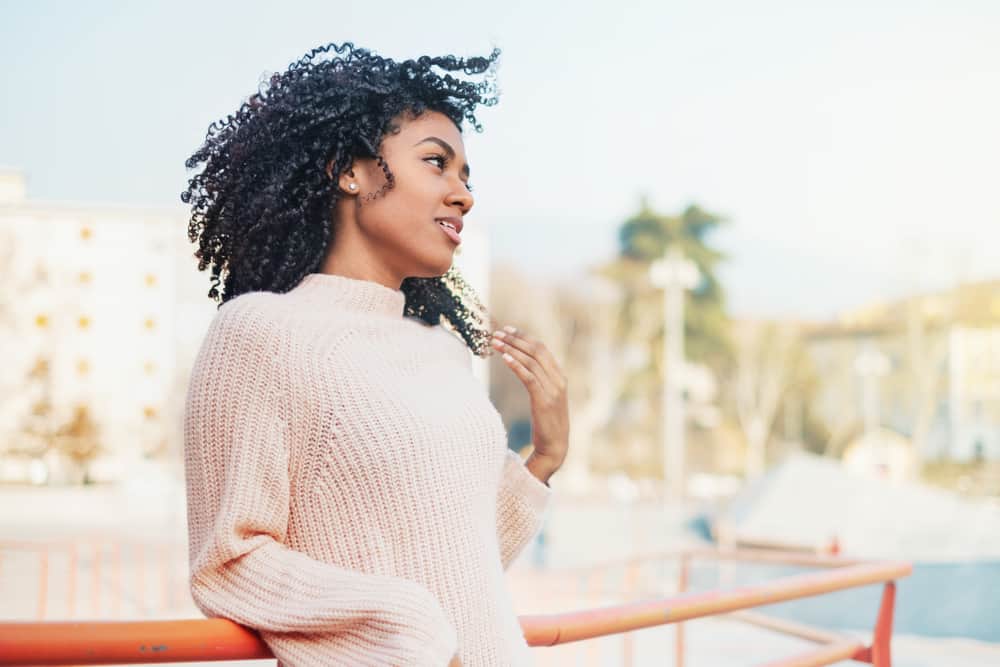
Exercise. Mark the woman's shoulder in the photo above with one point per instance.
(240, 326)
(251, 312)
(274, 310)
(276, 321)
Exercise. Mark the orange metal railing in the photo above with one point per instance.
(561, 628)
(92, 643)
(123, 578)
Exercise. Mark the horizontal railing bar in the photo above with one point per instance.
(776, 557)
(822, 656)
(790, 628)
(551, 629)
(124, 642)
(708, 553)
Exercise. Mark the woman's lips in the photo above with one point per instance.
(451, 233)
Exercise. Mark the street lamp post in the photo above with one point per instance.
(871, 365)
(674, 274)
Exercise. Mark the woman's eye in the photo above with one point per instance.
(440, 161)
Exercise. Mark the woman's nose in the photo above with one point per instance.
(462, 198)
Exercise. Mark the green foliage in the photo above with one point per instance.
(645, 238)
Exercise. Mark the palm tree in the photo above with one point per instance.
(643, 239)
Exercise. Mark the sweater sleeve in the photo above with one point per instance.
(309, 612)
(521, 502)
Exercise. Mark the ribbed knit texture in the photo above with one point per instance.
(350, 491)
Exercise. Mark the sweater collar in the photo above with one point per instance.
(353, 294)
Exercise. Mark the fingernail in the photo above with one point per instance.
(499, 334)
(498, 345)
(507, 357)
(510, 329)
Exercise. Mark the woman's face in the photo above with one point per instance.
(405, 226)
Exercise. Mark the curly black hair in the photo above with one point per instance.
(262, 206)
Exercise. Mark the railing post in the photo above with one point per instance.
(881, 656)
(628, 640)
(682, 585)
(95, 582)
(593, 592)
(165, 579)
(116, 579)
(71, 581)
(43, 582)
(139, 557)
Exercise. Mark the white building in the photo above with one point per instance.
(939, 377)
(108, 300)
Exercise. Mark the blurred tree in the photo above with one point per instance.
(772, 376)
(78, 442)
(35, 437)
(37, 432)
(7, 295)
(514, 300)
(16, 286)
(575, 322)
(9, 377)
(925, 375)
(43, 429)
(643, 239)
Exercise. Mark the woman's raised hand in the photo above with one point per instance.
(534, 365)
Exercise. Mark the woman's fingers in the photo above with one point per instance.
(530, 380)
(526, 366)
(519, 363)
(534, 366)
(534, 355)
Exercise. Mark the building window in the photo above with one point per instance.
(40, 369)
(86, 233)
(84, 277)
(82, 367)
(149, 367)
(150, 412)
(150, 280)
(41, 320)
(149, 323)
(83, 322)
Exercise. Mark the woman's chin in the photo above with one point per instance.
(435, 270)
(441, 267)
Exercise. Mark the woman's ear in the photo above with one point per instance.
(347, 182)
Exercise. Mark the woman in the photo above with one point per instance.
(350, 492)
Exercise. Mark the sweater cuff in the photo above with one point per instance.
(439, 648)
(439, 645)
(524, 486)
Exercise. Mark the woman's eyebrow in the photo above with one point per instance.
(447, 149)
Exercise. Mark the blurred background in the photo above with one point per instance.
(761, 238)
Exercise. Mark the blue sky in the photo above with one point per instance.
(853, 145)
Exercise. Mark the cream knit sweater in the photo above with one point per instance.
(350, 491)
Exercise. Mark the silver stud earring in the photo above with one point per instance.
(353, 186)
